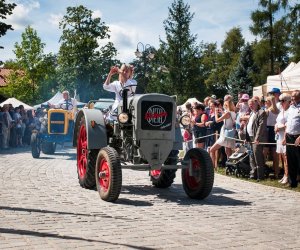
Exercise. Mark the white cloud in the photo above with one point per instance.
(124, 38)
(96, 14)
(55, 19)
(21, 16)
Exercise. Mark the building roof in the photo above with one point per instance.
(3, 75)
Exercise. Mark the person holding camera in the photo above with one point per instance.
(125, 80)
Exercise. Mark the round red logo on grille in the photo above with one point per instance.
(156, 115)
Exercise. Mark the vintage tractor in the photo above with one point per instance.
(141, 137)
(56, 128)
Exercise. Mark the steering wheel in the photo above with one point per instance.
(129, 88)
(64, 105)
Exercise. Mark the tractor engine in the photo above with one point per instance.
(151, 120)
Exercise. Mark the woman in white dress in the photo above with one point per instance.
(228, 116)
(285, 100)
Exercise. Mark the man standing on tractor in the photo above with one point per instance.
(125, 81)
(66, 103)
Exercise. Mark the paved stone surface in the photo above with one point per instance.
(42, 206)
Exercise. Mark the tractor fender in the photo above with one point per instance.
(96, 136)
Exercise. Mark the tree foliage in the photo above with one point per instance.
(265, 26)
(294, 21)
(82, 62)
(34, 72)
(226, 60)
(6, 9)
(179, 53)
(241, 79)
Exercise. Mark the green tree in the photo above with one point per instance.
(29, 56)
(294, 22)
(34, 72)
(226, 61)
(241, 78)
(5, 10)
(179, 53)
(82, 62)
(263, 25)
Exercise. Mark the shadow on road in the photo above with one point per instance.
(176, 194)
(136, 203)
(33, 210)
(13, 151)
(64, 237)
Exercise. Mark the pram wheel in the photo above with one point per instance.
(237, 173)
(227, 171)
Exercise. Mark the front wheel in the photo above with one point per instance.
(108, 174)
(35, 145)
(198, 179)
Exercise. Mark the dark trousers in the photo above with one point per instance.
(293, 159)
(257, 160)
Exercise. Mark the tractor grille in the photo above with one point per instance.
(57, 123)
(156, 115)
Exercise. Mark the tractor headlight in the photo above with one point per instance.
(185, 120)
(123, 117)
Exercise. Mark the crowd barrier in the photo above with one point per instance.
(243, 141)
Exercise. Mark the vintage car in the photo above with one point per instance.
(56, 128)
(141, 136)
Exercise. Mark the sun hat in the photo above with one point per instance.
(245, 97)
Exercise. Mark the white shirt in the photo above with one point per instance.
(117, 88)
(293, 120)
(70, 103)
(250, 123)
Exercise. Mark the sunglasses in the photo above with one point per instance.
(282, 100)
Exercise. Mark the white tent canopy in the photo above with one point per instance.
(191, 101)
(16, 103)
(288, 80)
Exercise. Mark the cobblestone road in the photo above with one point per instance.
(42, 206)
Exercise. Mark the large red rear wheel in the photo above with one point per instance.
(198, 181)
(86, 160)
(108, 174)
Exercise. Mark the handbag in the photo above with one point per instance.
(230, 132)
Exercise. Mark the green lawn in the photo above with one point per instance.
(268, 182)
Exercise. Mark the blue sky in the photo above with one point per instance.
(130, 21)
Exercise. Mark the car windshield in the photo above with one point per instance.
(103, 104)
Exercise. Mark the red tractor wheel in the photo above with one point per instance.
(86, 160)
(108, 174)
(198, 181)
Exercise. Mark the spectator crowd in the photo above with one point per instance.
(16, 125)
(269, 125)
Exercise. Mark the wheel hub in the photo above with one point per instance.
(102, 175)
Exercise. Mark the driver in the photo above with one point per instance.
(124, 80)
(66, 103)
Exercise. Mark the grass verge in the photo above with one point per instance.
(268, 182)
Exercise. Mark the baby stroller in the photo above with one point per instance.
(238, 163)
